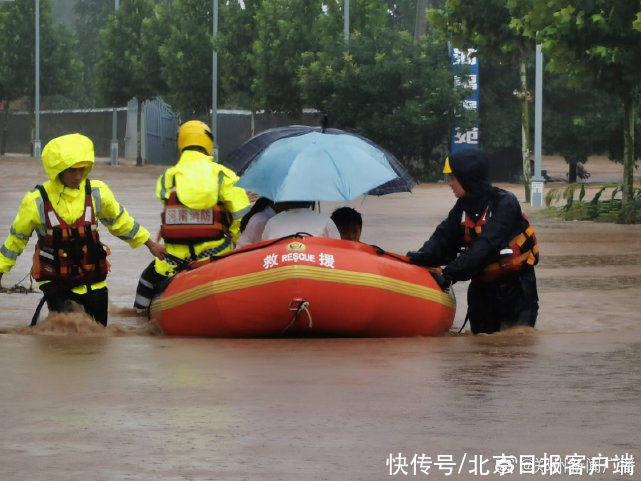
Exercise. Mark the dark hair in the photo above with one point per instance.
(260, 205)
(346, 216)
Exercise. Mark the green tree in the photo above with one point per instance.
(58, 66)
(391, 89)
(91, 16)
(233, 43)
(186, 56)
(403, 13)
(614, 144)
(367, 18)
(3, 86)
(498, 113)
(411, 15)
(485, 26)
(120, 73)
(637, 22)
(578, 122)
(153, 32)
(284, 30)
(596, 45)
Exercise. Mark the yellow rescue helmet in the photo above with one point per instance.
(446, 168)
(195, 133)
(81, 165)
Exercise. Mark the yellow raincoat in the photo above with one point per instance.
(60, 154)
(201, 183)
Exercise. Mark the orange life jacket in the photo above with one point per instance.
(182, 225)
(525, 250)
(71, 254)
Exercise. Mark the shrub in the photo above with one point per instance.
(597, 209)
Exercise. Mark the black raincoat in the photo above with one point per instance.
(508, 301)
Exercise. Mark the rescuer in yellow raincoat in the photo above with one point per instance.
(202, 209)
(70, 262)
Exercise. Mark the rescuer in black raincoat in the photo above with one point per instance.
(485, 238)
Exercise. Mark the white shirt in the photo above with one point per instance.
(254, 229)
(291, 221)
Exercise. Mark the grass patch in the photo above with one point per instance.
(570, 203)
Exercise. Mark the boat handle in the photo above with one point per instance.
(297, 306)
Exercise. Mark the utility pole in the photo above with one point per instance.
(536, 193)
(214, 83)
(36, 139)
(114, 119)
(524, 96)
(346, 21)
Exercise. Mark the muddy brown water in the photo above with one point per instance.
(124, 403)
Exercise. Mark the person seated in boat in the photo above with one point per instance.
(253, 223)
(485, 238)
(70, 262)
(293, 217)
(202, 211)
(349, 223)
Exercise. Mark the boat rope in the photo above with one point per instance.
(302, 306)
(186, 265)
(467, 318)
(181, 264)
(18, 287)
(382, 252)
(36, 314)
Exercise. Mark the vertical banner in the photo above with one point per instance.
(466, 74)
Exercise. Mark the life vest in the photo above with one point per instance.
(70, 254)
(182, 225)
(525, 250)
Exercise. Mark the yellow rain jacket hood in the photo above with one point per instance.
(64, 152)
(198, 183)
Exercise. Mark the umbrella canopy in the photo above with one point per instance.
(244, 156)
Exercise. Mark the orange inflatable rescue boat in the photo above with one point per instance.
(305, 286)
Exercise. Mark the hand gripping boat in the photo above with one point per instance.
(305, 286)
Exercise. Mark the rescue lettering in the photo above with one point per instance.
(298, 257)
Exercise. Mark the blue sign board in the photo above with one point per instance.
(465, 66)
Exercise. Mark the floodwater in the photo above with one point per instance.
(124, 403)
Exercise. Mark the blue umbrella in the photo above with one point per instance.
(349, 178)
(317, 166)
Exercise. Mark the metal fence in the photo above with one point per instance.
(159, 128)
(94, 123)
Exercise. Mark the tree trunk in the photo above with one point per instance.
(525, 125)
(572, 164)
(139, 133)
(628, 149)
